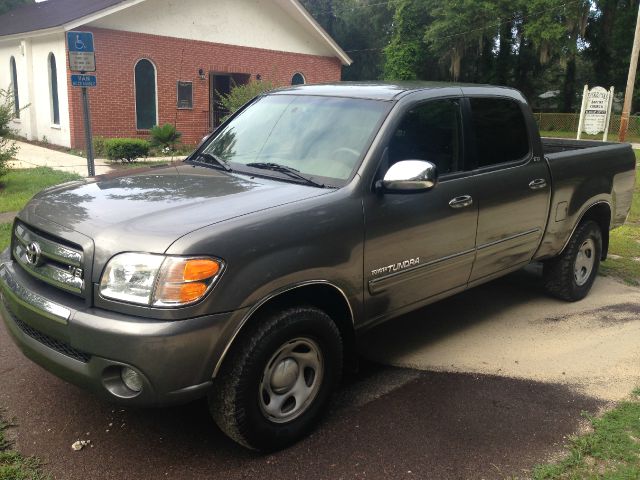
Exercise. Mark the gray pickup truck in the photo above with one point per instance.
(247, 272)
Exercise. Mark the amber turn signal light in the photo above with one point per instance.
(200, 269)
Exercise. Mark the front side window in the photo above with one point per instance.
(53, 88)
(500, 132)
(14, 87)
(145, 83)
(432, 132)
(318, 136)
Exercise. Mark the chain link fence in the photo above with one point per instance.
(565, 125)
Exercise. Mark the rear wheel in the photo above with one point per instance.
(277, 381)
(571, 275)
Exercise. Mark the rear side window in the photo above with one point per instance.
(431, 131)
(500, 132)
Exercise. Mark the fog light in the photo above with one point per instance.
(132, 379)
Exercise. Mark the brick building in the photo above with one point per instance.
(157, 61)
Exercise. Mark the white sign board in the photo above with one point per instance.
(596, 111)
(595, 115)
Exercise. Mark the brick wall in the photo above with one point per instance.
(112, 102)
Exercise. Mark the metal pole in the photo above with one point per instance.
(605, 135)
(87, 133)
(628, 94)
(585, 96)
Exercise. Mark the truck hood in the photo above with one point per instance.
(149, 210)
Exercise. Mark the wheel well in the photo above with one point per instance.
(601, 214)
(325, 297)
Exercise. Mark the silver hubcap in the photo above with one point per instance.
(291, 380)
(584, 262)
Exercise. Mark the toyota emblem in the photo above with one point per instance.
(34, 254)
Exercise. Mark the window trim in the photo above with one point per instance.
(473, 155)
(304, 79)
(13, 70)
(51, 90)
(135, 97)
(178, 82)
(462, 161)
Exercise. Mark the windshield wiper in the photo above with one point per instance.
(292, 172)
(216, 160)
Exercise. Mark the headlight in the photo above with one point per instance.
(158, 280)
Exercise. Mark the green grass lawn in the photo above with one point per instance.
(17, 188)
(610, 451)
(129, 165)
(14, 466)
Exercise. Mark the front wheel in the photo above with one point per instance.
(276, 382)
(571, 275)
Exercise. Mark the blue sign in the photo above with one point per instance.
(80, 42)
(83, 80)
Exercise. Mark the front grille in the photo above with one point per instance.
(47, 341)
(50, 260)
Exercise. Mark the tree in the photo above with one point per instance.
(406, 54)
(8, 148)
(7, 5)
(361, 28)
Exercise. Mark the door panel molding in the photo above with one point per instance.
(422, 272)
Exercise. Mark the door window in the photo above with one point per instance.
(432, 132)
(500, 132)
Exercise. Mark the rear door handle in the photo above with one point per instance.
(537, 184)
(461, 201)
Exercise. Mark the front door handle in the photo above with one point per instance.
(461, 201)
(537, 184)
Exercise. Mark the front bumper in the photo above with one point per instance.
(89, 346)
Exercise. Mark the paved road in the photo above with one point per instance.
(386, 422)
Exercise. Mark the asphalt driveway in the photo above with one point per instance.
(458, 413)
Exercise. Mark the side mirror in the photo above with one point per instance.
(409, 176)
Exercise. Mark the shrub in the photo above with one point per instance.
(241, 94)
(126, 149)
(165, 136)
(8, 148)
(99, 148)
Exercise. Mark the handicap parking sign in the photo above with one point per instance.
(81, 51)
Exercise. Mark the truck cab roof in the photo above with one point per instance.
(393, 91)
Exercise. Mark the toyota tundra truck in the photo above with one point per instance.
(247, 272)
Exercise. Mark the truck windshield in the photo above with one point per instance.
(316, 136)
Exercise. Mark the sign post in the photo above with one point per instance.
(595, 114)
(82, 59)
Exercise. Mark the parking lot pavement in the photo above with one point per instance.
(511, 328)
(385, 422)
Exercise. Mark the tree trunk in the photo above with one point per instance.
(569, 87)
(504, 55)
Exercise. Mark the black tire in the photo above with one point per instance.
(235, 401)
(560, 276)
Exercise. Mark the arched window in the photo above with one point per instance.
(298, 79)
(146, 100)
(14, 86)
(53, 88)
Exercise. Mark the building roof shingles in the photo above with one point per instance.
(49, 14)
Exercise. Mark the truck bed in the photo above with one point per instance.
(585, 173)
(556, 145)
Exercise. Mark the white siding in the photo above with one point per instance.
(33, 87)
(41, 47)
(248, 23)
(8, 50)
